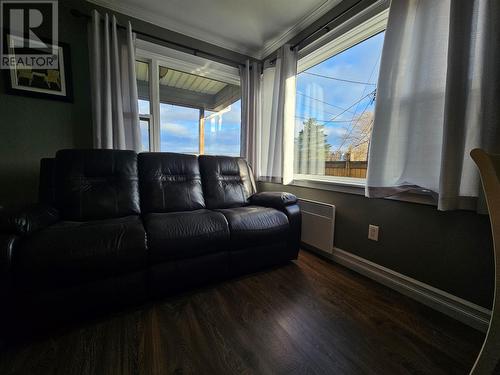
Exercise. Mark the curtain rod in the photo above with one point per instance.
(194, 51)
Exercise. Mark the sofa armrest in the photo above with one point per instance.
(273, 199)
(7, 243)
(28, 220)
(286, 203)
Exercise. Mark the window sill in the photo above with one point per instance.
(354, 187)
(358, 188)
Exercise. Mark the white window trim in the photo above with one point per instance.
(366, 24)
(157, 55)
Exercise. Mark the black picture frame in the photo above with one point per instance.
(13, 86)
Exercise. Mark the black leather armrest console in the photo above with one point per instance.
(28, 220)
(273, 199)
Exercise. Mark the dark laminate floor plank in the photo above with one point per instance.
(307, 317)
(385, 340)
(399, 313)
(313, 323)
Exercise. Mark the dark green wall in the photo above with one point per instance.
(451, 251)
(34, 128)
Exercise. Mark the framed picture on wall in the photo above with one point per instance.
(52, 82)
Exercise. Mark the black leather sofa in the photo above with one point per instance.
(115, 227)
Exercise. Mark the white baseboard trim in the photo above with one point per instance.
(458, 308)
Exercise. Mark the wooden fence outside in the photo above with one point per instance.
(346, 168)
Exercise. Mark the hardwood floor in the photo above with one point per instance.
(307, 317)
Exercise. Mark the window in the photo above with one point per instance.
(187, 104)
(179, 129)
(222, 131)
(144, 124)
(335, 102)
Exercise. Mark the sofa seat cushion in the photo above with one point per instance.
(73, 252)
(177, 235)
(252, 225)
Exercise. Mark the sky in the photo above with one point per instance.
(359, 63)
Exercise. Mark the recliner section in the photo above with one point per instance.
(250, 225)
(149, 223)
(187, 234)
(71, 252)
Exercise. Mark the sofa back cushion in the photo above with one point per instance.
(169, 182)
(96, 184)
(227, 181)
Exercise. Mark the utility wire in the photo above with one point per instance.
(322, 101)
(340, 79)
(369, 79)
(355, 103)
(323, 121)
(366, 138)
(308, 106)
(354, 126)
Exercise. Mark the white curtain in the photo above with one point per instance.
(113, 84)
(250, 113)
(278, 112)
(437, 98)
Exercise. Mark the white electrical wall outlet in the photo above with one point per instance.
(373, 232)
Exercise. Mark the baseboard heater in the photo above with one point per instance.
(318, 224)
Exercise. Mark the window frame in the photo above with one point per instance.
(147, 118)
(156, 55)
(368, 23)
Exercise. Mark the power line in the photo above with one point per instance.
(322, 101)
(360, 100)
(340, 79)
(308, 106)
(369, 79)
(366, 137)
(353, 125)
(344, 110)
(346, 137)
(323, 121)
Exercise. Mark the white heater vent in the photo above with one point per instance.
(318, 224)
